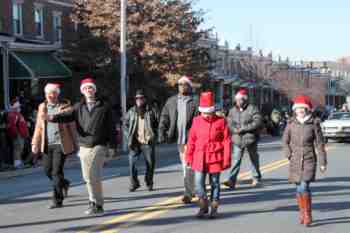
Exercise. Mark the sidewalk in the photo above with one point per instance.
(266, 142)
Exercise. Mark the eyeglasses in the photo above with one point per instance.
(140, 97)
(182, 84)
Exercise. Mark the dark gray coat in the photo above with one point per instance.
(300, 141)
(151, 124)
(249, 121)
(168, 118)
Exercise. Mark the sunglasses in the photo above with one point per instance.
(140, 97)
(182, 84)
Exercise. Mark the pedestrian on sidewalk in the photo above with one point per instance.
(55, 141)
(175, 123)
(17, 131)
(245, 122)
(141, 124)
(96, 131)
(208, 152)
(302, 137)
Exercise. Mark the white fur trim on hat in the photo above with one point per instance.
(185, 79)
(207, 109)
(300, 105)
(93, 85)
(51, 87)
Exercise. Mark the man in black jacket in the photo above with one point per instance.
(245, 122)
(141, 123)
(175, 123)
(96, 131)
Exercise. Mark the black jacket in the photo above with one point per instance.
(249, 121)
(95, 127)
(168, 119)
(151, 124)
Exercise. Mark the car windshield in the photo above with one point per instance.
(340, 116)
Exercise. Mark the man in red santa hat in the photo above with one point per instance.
(245, 122)
(174, 125)
(55, 141)
(96, 134)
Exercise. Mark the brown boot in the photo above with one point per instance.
(214, 209)
(306, 197)
(203, 208)
(301, 208)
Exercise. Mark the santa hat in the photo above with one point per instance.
(87, 81)
(206, 102)
(302, 101)
(185, 79)
(241, 93)
(52, 87)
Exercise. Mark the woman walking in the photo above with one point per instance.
(208, 152)
(302, 137)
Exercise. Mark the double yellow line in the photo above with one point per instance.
(164, 206)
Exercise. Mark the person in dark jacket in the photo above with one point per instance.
(141, 124)
(96, 131)
(175, 123)
(302, 138)
(245, 122)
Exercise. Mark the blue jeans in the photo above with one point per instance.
(303, 187)
(200, 186)
(237, 157)
(149, 156)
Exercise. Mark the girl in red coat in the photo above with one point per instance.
(208, 152)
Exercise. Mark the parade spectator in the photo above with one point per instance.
(56, 141)
(141, 124)
(96, 131)
(208, 152)
(245, 122)
(17, 131)
(175, 123)
(302, 137)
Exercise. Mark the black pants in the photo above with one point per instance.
(149, 156)
(53, 162)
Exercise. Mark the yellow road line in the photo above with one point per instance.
(162, 207)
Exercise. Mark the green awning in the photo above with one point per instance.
(40, 65)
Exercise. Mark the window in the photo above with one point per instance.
(38, 19)
(17, 18)
(57, 27)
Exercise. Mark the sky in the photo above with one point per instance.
(299, 29)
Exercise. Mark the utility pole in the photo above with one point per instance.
(123, 61)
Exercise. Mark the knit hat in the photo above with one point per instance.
(52, 87)
(302, 101)
(241, 93)
(87, 81)
(206, 102)
(185, 79)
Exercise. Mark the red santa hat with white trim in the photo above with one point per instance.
(87, 81)
(186, 79)
(52, 87)
(206, 102)
(302, 101)
(241, 93)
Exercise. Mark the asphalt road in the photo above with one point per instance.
(270, 209)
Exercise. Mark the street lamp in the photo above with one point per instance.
(123, 62)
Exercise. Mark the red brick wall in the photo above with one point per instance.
(5, 16)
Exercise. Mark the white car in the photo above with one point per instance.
(337, 126)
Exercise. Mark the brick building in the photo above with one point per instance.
(32, 32)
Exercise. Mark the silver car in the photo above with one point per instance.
(337, 126)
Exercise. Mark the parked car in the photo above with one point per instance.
(337, 126)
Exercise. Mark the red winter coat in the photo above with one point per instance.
(209, 145)
(16, 125)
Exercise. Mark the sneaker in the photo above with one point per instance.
(187, 200)
(134, 187)
(230, 184)
(256, 183)
(55, 206)
(150, 187)
(95, 210)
